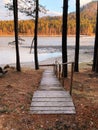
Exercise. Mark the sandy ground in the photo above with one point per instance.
(16, 91)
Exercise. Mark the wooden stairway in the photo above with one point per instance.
(51, 98)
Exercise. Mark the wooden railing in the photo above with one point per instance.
(58, 70)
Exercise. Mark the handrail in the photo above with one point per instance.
(60, 74)
(47, 65)
(57, 67)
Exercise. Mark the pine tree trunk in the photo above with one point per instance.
(64, 36)
(76, 67)
(97, 61)
(15, 6)
(96, 44)
(35, 36)
(97, 40)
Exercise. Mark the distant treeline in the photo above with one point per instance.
(53, 25)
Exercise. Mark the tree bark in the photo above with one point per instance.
(76, 67)
(96, 44)
(35, 35)
(97, 40)
(97, 61)
(64, 36)
(15, 10)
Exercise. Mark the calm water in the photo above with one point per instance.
(48, 48)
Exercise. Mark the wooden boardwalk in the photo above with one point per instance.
(51, 98)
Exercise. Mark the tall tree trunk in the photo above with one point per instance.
(15, 6)
(76, 67)
(96, 43)
(35, 35)
(97, 59)
(97, 40)
(64, 36)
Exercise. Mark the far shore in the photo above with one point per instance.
(6, 35)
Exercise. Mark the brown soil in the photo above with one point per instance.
(17, 88)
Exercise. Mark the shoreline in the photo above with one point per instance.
(47, 35)
(31, 65)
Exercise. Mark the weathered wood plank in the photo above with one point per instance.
(51, 82)
(52, 108)
(54, 104)
(53, 112)
(51, 94)
(51, 86)
(49, 89)
(51, 99)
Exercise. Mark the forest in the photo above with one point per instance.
(53, 25)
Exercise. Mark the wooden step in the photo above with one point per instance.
(51, 98)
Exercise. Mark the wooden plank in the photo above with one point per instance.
(49, 81)
(52, 108)
(52, 99)
(51, 94)
(52, 104)
(49, 89)
(51, 85)
(53, 112)
(56, 87)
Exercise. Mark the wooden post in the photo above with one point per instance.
(63, 76)
(72, 70)
(59, 71)
(56, 67)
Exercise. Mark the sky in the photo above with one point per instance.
(54, 8)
